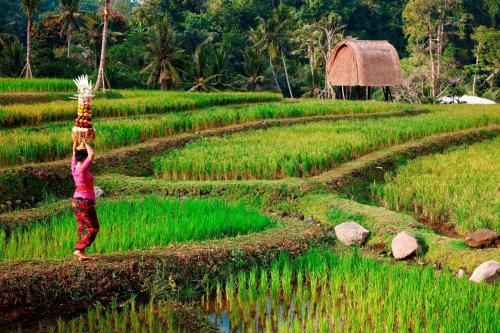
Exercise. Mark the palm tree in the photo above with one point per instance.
(12, 55)
(220, 66)
(272, 35)
(29, 6)
(71, 19)
(100, 73)
(164, 56)
(255, 71)
(92, 30)
(201, 70)
(308, 38)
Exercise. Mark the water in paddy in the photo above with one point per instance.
(321, 291)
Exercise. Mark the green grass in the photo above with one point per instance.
(52, 141)
(133, 102)
(458, 188)
(327, 292)
(152, 221)
(31, 85)
(305, 150)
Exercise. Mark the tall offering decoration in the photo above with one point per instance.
(83, 128)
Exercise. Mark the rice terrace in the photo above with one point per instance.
(249, 166)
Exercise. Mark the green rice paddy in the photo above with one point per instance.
(458, 188)
(23, 85)
(126, 224)
(128, 103)
(305, 150)
(320, 291)
(51, 141)
(327, 292)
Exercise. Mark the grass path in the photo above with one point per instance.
(440, 251)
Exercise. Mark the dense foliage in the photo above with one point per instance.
(448, 47)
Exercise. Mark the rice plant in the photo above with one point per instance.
(52, 141)
(348, 293)
(132, 103)
(19, 85)
(130, 316)
(458, 188)
(304, 150)
(152, 221)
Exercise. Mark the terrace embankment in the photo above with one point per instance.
(437, 250)
(29, 184)
(354, 178)
(30, 289)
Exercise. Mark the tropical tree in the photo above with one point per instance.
(165, 58)
(331, 33)
(220, 67)
(29, 6)
(255, 71)
(100, 73)
(11, 55)
(71, 19)
(273, 34)
(487, 54)
(429, 22)
(201, 69)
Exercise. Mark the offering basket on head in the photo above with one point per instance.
(83, 129)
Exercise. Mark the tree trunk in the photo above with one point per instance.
(28, 49)
(274, 73)
(100, 73)
(474, 80)
(96, 52)
(286, 74)
(439, 53)
(433, 67)
(68, 38)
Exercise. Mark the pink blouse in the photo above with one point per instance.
(83, 177)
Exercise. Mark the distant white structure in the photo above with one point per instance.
(467, 99)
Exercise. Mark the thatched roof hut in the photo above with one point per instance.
(368, 63)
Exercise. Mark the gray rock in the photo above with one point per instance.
(404, 245)
(309, 219)
(351, 233)
(488, 271)
(483, 238)
(98, 191)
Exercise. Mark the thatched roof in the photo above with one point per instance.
(364, 63)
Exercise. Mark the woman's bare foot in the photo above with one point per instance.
(80, 254)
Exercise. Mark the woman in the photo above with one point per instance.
(84, 198)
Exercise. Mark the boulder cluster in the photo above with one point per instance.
(405, 245)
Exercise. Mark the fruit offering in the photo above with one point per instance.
(83, 123)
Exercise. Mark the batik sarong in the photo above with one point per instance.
(88, 225)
